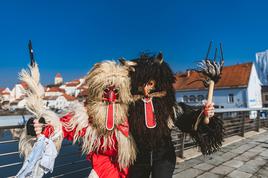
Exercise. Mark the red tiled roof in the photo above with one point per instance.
(73, 83)
(232, 76)
(55, 89)
(69, 97)
(5, 93)
(1, 90)
(50, 97)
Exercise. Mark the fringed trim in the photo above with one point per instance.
(79, 119)
(209, 137)
(26, 143)
(92, 140)
(170, 123)
(126, 150)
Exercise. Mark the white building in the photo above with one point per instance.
(54, 91)
(73, 87)
(5, 94)
(58, 102)
(239, 87)
(17, 104)
(18, 91)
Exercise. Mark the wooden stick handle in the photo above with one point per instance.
(210, 97)
(210, 91)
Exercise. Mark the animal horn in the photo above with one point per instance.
(129, 64)
(122, 60)
(159, 58)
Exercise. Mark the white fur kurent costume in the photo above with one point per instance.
(102, 124)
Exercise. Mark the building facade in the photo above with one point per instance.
(239, 87)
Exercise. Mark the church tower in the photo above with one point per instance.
(58, 79)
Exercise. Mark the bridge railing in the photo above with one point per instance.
(236, 121)
(70, 163)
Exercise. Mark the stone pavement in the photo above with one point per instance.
(247, 158)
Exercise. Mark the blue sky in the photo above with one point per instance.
(70, 36)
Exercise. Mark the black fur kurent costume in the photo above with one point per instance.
(156, 153)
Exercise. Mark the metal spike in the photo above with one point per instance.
(222, 59)
(210, 44)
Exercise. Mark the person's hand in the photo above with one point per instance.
(208, 111)
(37, 127)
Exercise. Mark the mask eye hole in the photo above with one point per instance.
(110, 94)
(151, 83)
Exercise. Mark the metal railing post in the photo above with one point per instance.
(182, 145)
(243, 123)
(258, 121)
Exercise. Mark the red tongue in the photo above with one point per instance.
(110, 117)
(110, 96)
(149, 113)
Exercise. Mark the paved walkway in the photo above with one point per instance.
(247, 158)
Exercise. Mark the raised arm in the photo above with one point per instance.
(208, 137)
(40, 127)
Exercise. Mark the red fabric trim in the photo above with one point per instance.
(69, 134)
(124, 128)
(48, 131)
(149, 115)
(110, 117)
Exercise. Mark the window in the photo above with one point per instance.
(185, 99)
(231, 98)
(266, 97)
(200, 98)
(192, 98)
